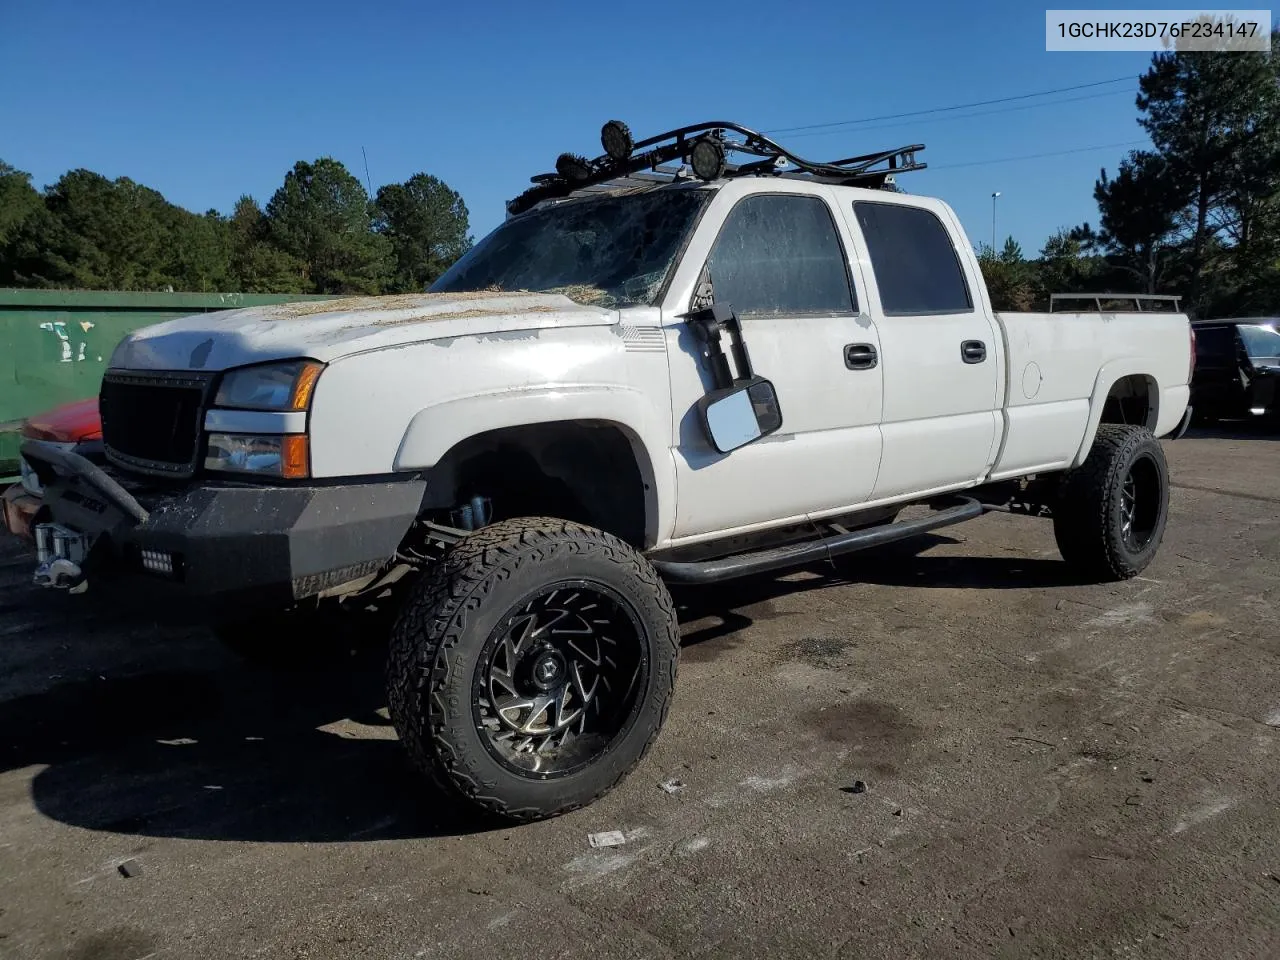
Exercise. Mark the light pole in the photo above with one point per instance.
(993, 222)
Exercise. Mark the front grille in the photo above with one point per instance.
(152, 422)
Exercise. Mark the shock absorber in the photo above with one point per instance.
(474, 514)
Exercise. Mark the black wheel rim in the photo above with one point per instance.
(1140, 504)
(560, 679)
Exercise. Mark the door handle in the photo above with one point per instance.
(973, 351)
(860, 356)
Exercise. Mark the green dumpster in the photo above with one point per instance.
(55, 344)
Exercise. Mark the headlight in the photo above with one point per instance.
(275, 393)
(286, 457)
(273, 386)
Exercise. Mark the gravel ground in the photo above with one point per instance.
(1053, 769)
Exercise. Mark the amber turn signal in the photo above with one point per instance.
(295, 457)
(305, 385)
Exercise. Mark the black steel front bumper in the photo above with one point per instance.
(226, 541)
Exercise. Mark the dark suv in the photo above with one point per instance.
(1237, 368)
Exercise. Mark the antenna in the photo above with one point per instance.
(367, 181)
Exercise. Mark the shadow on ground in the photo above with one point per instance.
(230, 753)
(1259, 429)
(737, 604)
(186, 740)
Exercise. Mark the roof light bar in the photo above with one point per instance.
(705, 147)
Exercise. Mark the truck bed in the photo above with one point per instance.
(1054, 363)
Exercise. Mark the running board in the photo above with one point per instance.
(799, 554)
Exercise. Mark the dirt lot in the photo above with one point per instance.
(1055, 770)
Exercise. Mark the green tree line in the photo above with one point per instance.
(319, 233)
(1196, 215)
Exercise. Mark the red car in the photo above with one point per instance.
(76, 426)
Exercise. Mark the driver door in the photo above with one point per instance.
(781, 261)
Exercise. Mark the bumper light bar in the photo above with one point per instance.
(158, 561)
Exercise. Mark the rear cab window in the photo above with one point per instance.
(914, 261)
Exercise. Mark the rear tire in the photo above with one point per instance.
(1111, 511)
(506, 711)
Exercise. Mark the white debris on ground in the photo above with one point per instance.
(607, 838)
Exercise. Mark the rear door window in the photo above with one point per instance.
(1261, 341)
(915, 263)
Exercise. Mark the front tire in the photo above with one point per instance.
(532, 667)
(1111, 511)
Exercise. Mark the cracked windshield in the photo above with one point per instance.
(610, 252)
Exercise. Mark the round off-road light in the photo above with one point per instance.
(615, 137)
(707, 159)
(573, 167)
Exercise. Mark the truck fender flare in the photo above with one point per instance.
(1110, 374)
(437, 429)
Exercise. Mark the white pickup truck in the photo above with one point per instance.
(639, 378)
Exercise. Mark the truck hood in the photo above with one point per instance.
(327, 329)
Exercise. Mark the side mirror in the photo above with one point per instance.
(741, 414)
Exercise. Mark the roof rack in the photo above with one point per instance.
(1154, 302)
(704, 148)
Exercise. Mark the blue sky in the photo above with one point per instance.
(208, 101)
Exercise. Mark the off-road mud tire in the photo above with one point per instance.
(442, 630)
(1088, 515)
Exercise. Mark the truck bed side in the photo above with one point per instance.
(1063, 367)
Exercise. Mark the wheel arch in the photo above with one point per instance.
(574, 437)
(1124, 392)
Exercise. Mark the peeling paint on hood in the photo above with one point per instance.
(328, 329)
